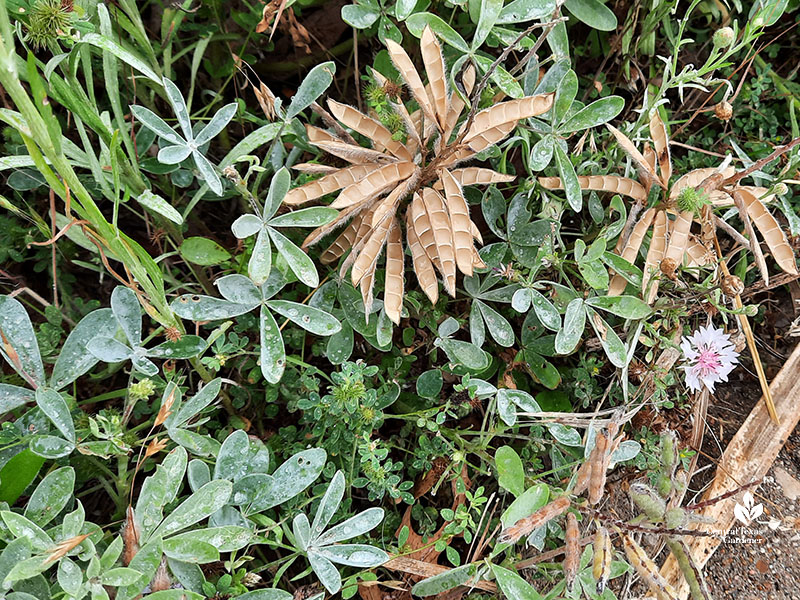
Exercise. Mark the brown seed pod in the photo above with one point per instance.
(601, 560)
(724, 110)
(523, 527)
(731, 286)
(647, 569)
(572, 553)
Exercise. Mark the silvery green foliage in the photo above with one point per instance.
(452, 578)
(128, 314)
(240, 295)
(482, 316)
(567, 117)
(460, 352)
(322, 547)
(265, 227)
(20, 349)
(180, 147)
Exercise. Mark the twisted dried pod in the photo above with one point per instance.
(525, 526)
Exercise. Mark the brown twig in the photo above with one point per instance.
(735, 178)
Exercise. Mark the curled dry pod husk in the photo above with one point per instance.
(572, 553)
(523, 527)
(601, 560)
(647, 569)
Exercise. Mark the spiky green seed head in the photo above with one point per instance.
(374, 94)
(692, 200)
(47, 21)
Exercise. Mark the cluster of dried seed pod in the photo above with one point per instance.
(592, 473)
(653, 503)
(380, 180)
(672, 241)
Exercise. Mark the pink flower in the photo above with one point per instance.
(709, 356)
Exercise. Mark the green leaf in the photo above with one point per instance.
(547, 313)
(429, 383)
(534, 498)
(568, 436)
(613, 346)
(188, 346)
(21, 527)
(416, 25)
(278, 188)
(327, 573)
(120, 576)
(230, 460)
(50, 496)
(128, 313)
(206, 308)
(598, 112)
(217, 123)
(291, 478)
(568, 336)
(513, 586)
(489, 12)
(328, 505)
(569, 179)
(13, 396)
(158, 205)
(203, 251)
(340, 345)
(55, 407)
(266, 594)
(360, 17)
(299, 262)
(18, 344)
(157, 125)
(565, 96)
(313, 86)
(628, 307)
(208, 172)
(629, 272)
(70, 576)
(17, 474)
(355, 526)
(311, 319)
(509, 399)
(50, 446)
(354, 555)
(201, 504)
(315, 216)
(173, 155)
(464, 353)
(222, 539)
(109, 45)
(273, 354)
(499, 328)
(594, 13)
(109, 350)
(520, 11)
(510, 473)
(194, 405)
(247, 225)
(445, 581)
